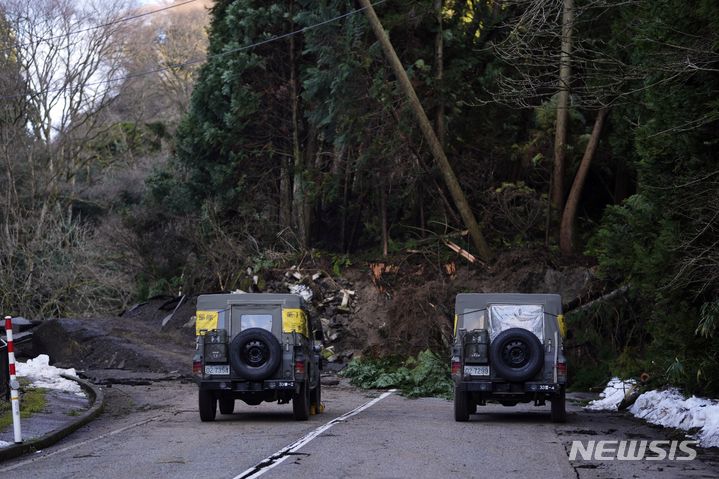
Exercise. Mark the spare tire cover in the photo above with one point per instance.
(516, 354)
(255, 354)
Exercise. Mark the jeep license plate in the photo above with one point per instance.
(222, 369)
(476, 370)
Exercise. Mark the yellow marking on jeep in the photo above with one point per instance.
(294, 320)
(562, 325)
(455, 324)
(206, 321)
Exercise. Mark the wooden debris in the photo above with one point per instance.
(460, 251)
(450, 268)
(346, 293)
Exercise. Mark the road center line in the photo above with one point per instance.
(279, 457)
(74, 446)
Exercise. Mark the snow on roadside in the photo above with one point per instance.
(612, 395)
(669, 408)
(42, 375)
(5, 444)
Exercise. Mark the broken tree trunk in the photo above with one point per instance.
(460, 200)
(566, 229)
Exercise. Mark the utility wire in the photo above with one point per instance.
(209, 57)
(108, 24)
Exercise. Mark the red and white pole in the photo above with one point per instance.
(14, 385)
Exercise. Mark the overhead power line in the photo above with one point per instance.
(102, 25)
(210, 57)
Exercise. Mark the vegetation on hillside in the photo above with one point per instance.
(587, 128)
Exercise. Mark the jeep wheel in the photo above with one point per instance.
(461, 406)
(255, 354)
(559, 411)
(208, 405)
(316, 399)
(301, 403)
(227, 405)
(516, 354)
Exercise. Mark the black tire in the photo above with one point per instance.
(461, 406)
(208, 405)
(301, 403)
(227, 405)
(516, 355)
(559, 408)
(316, 398)
(255, 354)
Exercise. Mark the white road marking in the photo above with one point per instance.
(279, 457)
(74, 446)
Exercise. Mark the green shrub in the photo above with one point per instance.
(423, 376)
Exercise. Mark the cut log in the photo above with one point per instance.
(462, 252)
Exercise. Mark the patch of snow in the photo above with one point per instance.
(5, 444)
(612, 395)
(669, 408)
(42, 375)
(302, 290)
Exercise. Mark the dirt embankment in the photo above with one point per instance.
(376, 308)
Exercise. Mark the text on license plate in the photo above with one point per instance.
(218, 369)
(476, 370)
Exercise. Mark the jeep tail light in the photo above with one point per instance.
(456, 367)
(561, 372)
(299, 367)
(197, 368)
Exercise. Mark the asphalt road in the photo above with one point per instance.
(155, 431)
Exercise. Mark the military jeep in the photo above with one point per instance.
(256, 347)
(508, 349)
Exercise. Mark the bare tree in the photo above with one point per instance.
(171, 43)
(60, 64)
(70, 60)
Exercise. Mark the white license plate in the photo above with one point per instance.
(222, 369)
(476, 370)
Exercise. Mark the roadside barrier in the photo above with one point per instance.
(14, 385)
(4, 372)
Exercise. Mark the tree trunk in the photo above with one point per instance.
(298, 184)
(566, 231)
(439, 74)
(450, 179)
(285, 213)
(560, 134)
(383, 214)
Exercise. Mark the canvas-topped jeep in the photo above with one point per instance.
(508, 349)
(256, 347)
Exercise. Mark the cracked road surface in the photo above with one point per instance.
(155, 431)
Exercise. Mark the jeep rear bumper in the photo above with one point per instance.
(505, 388)
(249, 386)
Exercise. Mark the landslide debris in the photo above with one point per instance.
(394, 306)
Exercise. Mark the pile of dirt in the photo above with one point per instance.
(396, 306)
(118, 343)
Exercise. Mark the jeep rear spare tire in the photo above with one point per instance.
(255, 354)
(516, 354)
